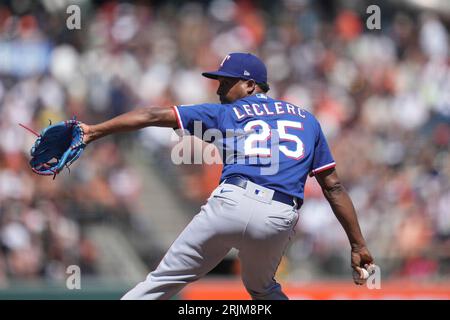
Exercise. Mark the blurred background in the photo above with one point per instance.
(382, 97)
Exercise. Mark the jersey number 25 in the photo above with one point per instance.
(264, 134)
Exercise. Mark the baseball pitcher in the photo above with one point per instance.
(269, 148)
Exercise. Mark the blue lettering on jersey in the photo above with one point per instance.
(258, 132)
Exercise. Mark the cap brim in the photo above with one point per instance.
(216, 74)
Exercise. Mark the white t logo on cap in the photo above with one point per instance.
(225, 59)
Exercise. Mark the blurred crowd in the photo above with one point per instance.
(382, 97)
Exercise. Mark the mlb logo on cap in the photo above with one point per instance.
(240, 65)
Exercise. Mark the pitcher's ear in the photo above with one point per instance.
(251, 86)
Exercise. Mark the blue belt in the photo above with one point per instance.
(277, 195)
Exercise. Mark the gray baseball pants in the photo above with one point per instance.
(246, 219)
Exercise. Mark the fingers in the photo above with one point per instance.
(86, 133)
(371, 268)
(362, 264)
(361, 275)
(358, 276)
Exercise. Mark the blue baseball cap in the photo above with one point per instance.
(240, 65)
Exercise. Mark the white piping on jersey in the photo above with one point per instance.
(322, 168)
(177, 113)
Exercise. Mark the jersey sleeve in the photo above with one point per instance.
(323, 159)
(198, 118)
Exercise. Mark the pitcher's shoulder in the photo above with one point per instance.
(304, 111)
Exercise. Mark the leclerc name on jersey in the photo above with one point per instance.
(255, 109)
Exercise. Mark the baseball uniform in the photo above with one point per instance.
(252, 211)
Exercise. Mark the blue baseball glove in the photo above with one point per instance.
(57, 146)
